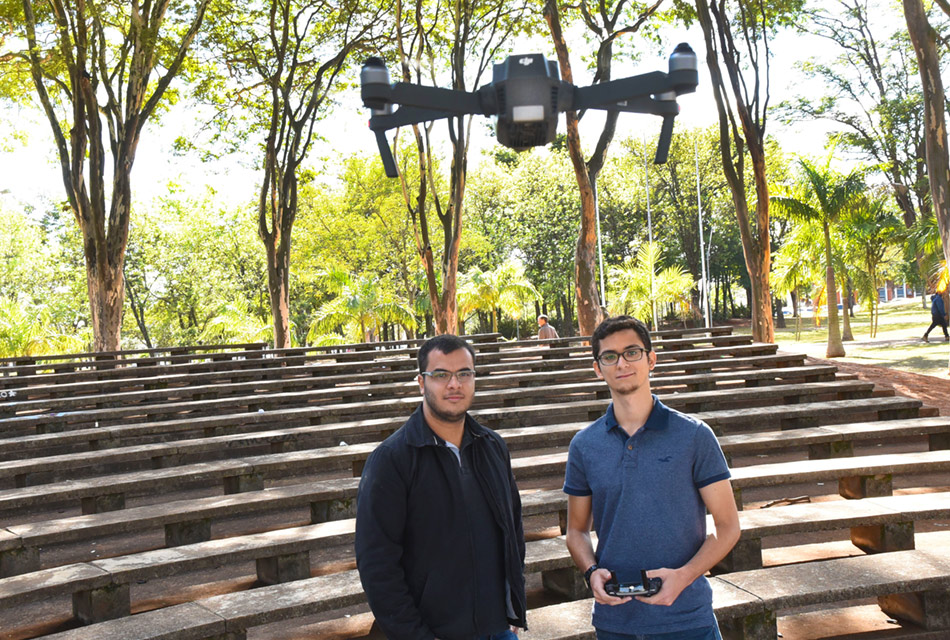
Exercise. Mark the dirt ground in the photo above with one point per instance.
(932, 391)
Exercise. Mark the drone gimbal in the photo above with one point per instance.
(526, 94)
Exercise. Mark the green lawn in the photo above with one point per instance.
(898, 343)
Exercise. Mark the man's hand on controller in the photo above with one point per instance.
(597, 581)
(674, 581)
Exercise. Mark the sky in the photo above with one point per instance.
(30, 174)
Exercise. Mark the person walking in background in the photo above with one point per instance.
(439, 540)
(938, 316)
(545, 330)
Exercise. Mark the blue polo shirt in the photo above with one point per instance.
(647, 510)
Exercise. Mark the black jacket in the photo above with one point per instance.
(412, 545)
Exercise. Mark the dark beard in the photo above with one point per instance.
(442, 415)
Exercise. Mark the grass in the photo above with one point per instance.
(898, 343)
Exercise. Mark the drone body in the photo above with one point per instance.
(526, 95)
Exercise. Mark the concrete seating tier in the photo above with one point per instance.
(289, 436)
(349, 374)
(181, 515)
(95, 395)
(10, 364)
(21, 364)
(857, 477)
(149, 357)
(344, 402)
(381, 385)
(359, 361)
(761, 402)
(910, 585)
(283, 555)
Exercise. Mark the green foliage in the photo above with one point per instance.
(361, 305)
(640, 285)
(196, 273)
(32, 331)
(504, 288)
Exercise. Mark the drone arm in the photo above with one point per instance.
(666, 137)
(416, 95)
(386, 154)
(607, 94)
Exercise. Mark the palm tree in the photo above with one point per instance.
(823, 195)
(794, 265)
(871, 232)
(361, 306)
(235, 322)
(638, 287)
(504, 288)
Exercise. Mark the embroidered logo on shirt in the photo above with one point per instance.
(666, 459)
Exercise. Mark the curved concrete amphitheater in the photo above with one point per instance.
(208, 493)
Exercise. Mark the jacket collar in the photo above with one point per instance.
(419, 434)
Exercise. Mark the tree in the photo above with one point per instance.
(526, 206)
(924, 38)
(361, 307)
(640, 286)
(823, 196)
(874, 96)
(606, 25)
(287, 76)
(503, 288)
(471, 35)
(101, 71)
(742, 124)
(870, 231)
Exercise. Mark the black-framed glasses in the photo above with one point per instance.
(442, 376)
(610, 358)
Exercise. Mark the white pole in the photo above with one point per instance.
(646, 169)
(600, 251)
(704, 290)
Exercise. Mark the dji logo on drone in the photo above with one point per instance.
(526, 61)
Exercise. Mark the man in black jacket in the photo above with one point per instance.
(439, 540)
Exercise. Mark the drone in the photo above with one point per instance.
(525, 96)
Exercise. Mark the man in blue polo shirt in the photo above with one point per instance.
(644, 475)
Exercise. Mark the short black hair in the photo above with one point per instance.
(446, 343)
(619, 323)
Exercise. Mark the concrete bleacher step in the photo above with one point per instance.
(272, 408)
(293, 437)
(247, 473)
(180, 515)
(746, 602)
(283, 555)
(520, 357)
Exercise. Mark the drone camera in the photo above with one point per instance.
(526, 89)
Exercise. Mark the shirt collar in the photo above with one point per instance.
(659, 416)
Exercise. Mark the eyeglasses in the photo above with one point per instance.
(610, 358)
(442, 376)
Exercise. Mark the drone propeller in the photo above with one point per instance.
(525, 95)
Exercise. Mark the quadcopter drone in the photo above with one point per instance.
(525, 95)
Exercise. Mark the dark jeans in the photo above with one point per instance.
(706, 633)
(938, 321)
(504, 635)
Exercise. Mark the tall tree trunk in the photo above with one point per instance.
(75, 63)
(734, 145)
(924, 39)
(835, 348)
(589, 313)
